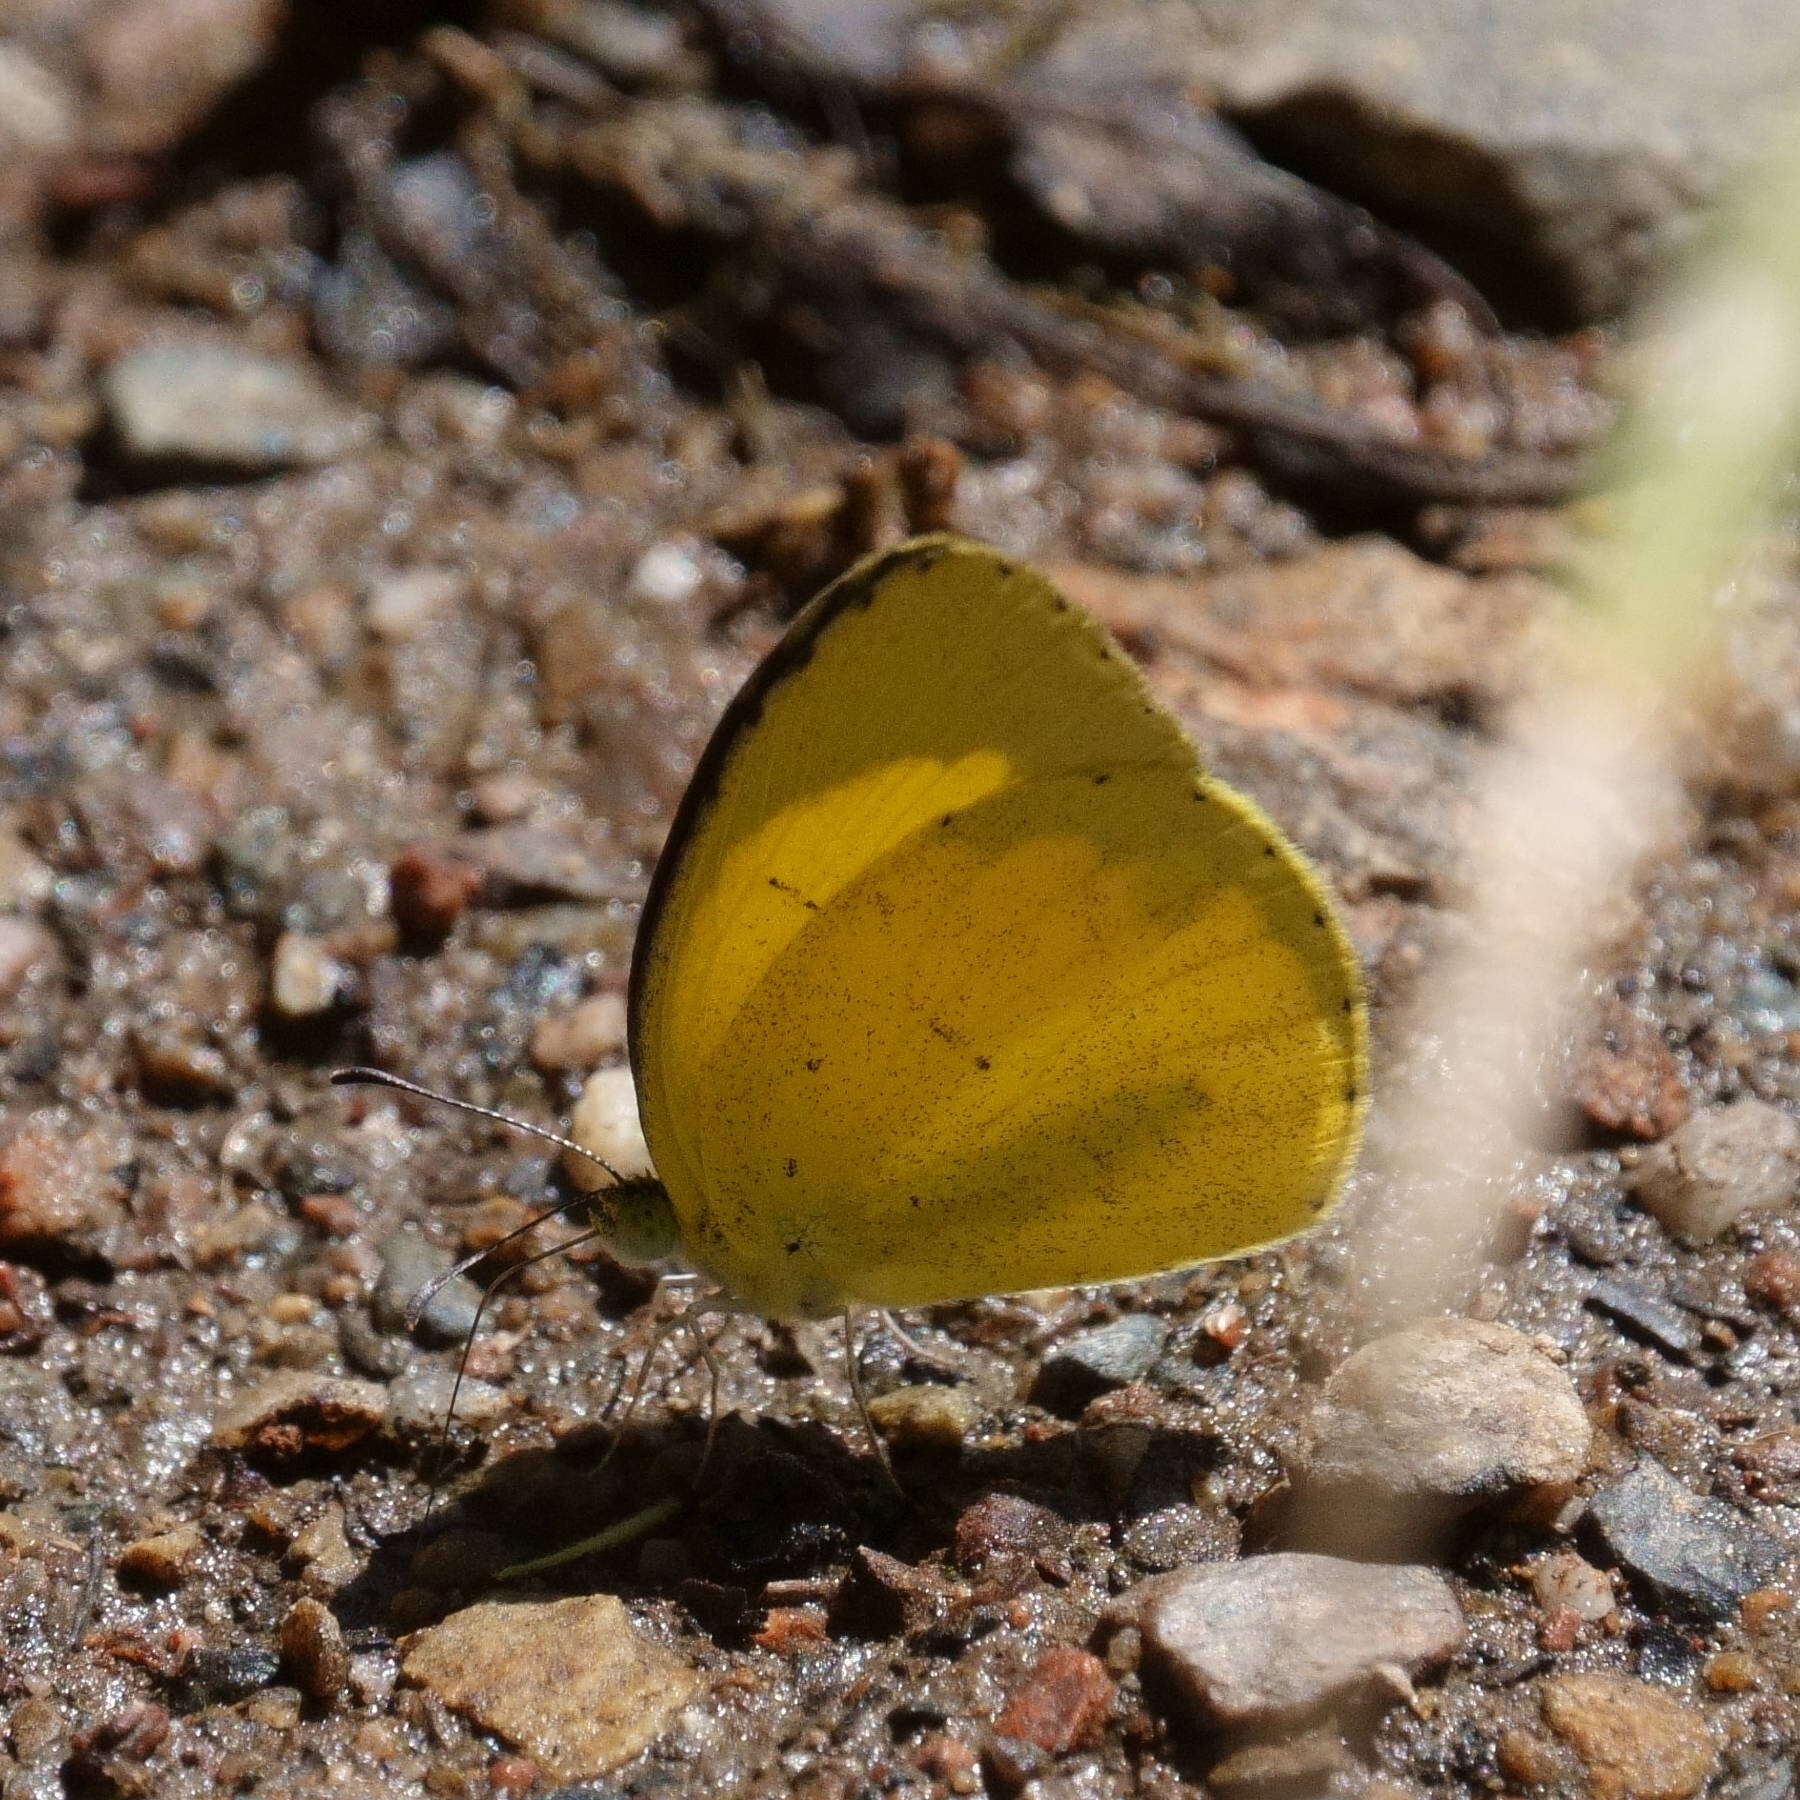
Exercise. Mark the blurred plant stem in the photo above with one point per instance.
(1586, 779)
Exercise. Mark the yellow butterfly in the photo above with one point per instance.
(959, 976)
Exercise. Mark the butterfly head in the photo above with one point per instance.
(636, 1220)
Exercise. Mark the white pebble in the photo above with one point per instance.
(401, 605)
(605, 1121)
(1565, 1580)
(666, 572)
(303, 979)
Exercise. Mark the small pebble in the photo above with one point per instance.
(401, 605)
(230, 1238)
(581, 1038)
(1448, 1413)
(24, 946)
(925, 1417)
(1564, 1581)
(35, 1729)
(1646, 1316)
(1695, 1552)
(669, 573)
(1732, 1672)
(215, 403)
(1762, 1605)
(312, 1650)
(1001, 1530)
(572, 1683)
(1627, 1078)
(304, 980)
(941, 1756)
(1638, 1742)
(881, 1596)
(419, 1401)
(57, 1188)
(788, 1628)
(298, 1412)
(177, 1067)
(605, 1121)
(1091, 1363)
(321, 1551)
(429, 891)
(1773, 1280)
(164, 1559)
(1061, 1704)
(1270, 1638)
(525, 861)
(1720, 1165)
(333, 1214)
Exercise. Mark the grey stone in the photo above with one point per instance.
(419, 1402)
(1576, 141)
(1093, 1362)
(1645, 1315)
(217, 405)
(1564, 150)
(1455, 1411)
(1695, 1552)
(1720, 1165)
(409, 1263)
(1274, 1638)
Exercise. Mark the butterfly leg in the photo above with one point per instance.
(932, 1359)
(853, 1370)
(662, 1334)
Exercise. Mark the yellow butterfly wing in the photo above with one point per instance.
(959, 977)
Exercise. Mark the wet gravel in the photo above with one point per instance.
(350, 669)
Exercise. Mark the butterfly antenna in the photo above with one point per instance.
(363, 1077)
(415, 1308)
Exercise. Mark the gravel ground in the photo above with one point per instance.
(406, 447)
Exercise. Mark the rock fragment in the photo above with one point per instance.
(429, 891)
(1092, 1363)
(313, 1651)
(1696, 1553)
(57, 1188)
(925, 1417)
(1273, 1638)
(572, 1683)
(1626, 1078)
(1061, 1703)
(218, 405)
(24, 945)
(581, 1038)
(299, 1412)
(163, 1559)
(1638, 1742)
(1445, 1415)
(1720, 1165)
(1645, 1315)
